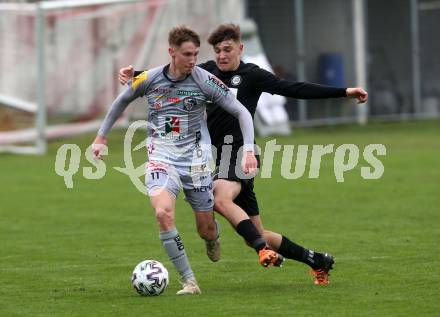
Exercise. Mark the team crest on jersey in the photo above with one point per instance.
(236, 80)
(157, 105)
(189, 103)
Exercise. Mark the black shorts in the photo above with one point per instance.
(247, 199)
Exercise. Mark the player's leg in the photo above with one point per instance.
(247, 200)
(282, 244)
(197, 187)
(225, 191)
(273, 239)
(320, 263)
(163, 189)
(164, 204)
(206, 225)
(209, 230)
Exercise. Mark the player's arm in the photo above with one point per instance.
(235, 108)
(268, 82)
(116, 109)
(127, 73)
(222, 96)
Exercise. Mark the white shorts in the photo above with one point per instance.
(196, 182)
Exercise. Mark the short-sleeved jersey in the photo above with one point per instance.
(177, 130)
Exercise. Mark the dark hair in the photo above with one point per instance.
(182, 33)
(224, 32)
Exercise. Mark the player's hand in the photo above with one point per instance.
(98, 146)
(357, 92)
(125, 74)
(249, 163)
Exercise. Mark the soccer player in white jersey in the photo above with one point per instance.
(235, 198)
(176, 96)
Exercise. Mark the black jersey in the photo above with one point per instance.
(249, 81)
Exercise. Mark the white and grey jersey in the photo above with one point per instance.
(177, 132)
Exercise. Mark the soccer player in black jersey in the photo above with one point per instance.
(235, 198)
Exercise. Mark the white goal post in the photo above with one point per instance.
(59, 59)
(58, 66)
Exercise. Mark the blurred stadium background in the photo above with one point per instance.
(59, 59)
(70, 252)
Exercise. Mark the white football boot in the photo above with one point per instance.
(190, 287)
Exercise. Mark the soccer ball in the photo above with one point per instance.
(150, 278)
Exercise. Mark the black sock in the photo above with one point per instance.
(293, 251)
(249, 232)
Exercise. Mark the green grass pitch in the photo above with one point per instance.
(70, 252)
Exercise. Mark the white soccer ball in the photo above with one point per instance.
(150, 278)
